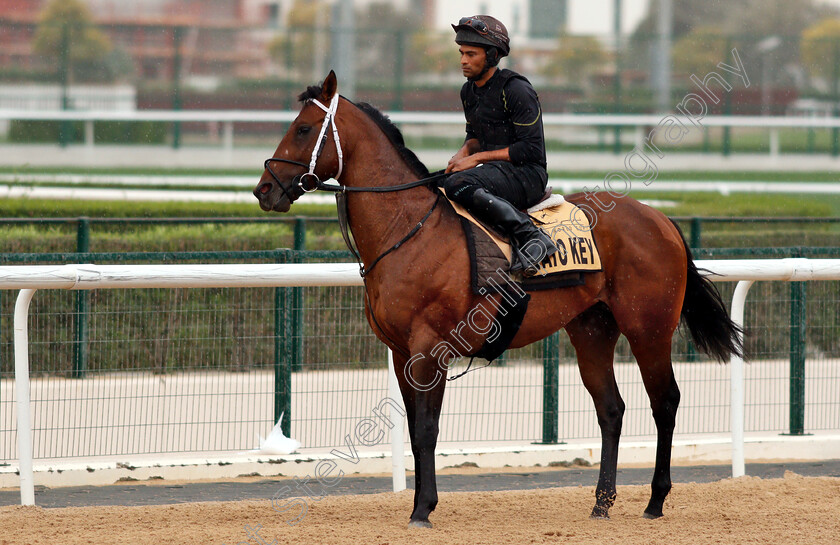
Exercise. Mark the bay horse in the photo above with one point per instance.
(417, 283)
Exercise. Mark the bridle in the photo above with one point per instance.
(299, 181)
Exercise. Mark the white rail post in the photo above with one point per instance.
(736, 384)
(397, 432)
(227, 139)
(774, 143)
(24, 420)
(89, 133)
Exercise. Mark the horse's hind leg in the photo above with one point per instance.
(594, 334)
(654, 358)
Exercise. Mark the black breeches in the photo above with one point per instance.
(522, 186)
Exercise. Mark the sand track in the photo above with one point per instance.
(793, 510)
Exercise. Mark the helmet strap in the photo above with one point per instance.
(492, 56)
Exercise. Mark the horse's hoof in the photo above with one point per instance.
(651, 516)
(419, 524)
(600, 513)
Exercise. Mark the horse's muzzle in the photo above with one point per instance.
(273, 197)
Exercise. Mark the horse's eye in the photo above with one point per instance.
(303, 130)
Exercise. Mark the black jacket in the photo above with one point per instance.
(504, 113)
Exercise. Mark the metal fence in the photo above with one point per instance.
(207, 369)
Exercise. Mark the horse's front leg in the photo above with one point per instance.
(422, 383)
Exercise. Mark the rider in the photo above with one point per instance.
(500, 169)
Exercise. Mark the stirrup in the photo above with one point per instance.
(527, 263)
(520, 263)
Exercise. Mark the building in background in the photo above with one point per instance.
(227, 38)
(525, 20)
(547, 18)
(219, 38)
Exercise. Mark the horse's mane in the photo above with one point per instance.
(385, 124)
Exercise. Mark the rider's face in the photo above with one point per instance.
(472, 60)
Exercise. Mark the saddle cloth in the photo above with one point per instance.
(565, 223)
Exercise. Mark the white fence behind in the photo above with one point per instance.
(642, 124)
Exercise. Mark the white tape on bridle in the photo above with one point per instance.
(329, 118)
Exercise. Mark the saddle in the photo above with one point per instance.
(564, 222)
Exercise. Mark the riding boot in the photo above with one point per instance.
(531, 244)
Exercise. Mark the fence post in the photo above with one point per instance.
(65, 127)
(397, 104)
(696, 229)
(80, 342)
(24, 408)
(297, 300)
(551, 387)
(727, 107)
(835, 132)
(176, 83)
(617, 78)
(695, 242)
(736, 382)
(798, 319)
(282, 365)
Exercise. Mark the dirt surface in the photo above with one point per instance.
(792, 510)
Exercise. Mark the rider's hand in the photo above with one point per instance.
(457, 164)
(454, 160)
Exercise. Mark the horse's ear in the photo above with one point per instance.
(329, 87)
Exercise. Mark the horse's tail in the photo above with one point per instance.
(705, 314)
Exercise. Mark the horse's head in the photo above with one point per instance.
(303, 157)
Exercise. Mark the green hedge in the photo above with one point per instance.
(105, 132)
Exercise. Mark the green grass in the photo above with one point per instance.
(6, 169)
(688, 204)
(727, 175)
(42, 208)
(745, 204)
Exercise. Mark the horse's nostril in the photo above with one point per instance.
(265, 188)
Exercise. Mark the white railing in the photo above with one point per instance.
(641, 122)
(29, 279)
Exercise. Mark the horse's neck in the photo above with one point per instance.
(380, 220)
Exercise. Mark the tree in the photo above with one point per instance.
(575, 58)
(699, 51)
(307, 25)
(821, 48)
(433, 52)
(69, 24)
(747, 22)
(382, 39)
